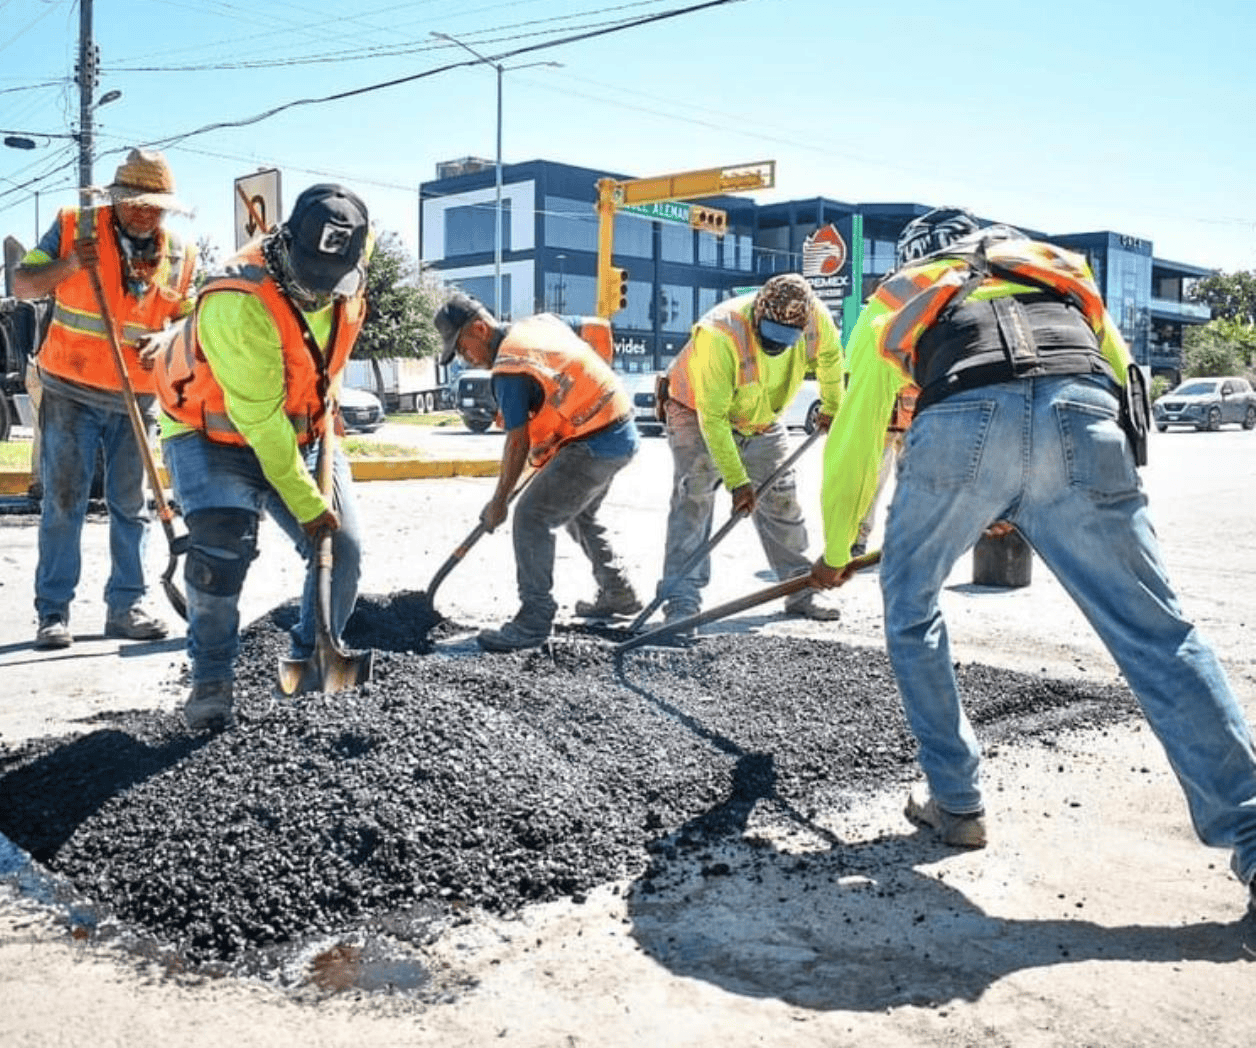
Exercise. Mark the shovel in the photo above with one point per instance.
(178, 545)
(780, 589)
(330, 668)
(455, 558)
(715, 539)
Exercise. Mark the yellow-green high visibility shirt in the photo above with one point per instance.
(852, 452)
(242, 346)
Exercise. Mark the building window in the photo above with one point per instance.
(570, 293)
(707, 298)
(570, 223)
(472, 229)
(634, 236)
(675, 307)
(676, 243)
(708, 249)
(483, 288)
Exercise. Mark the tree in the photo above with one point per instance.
(1220, 347)
(399, 317)
(208, 261)
(1232, 296)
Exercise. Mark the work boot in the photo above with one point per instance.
(674, 613)
(513, 636)
(618, 600)
(134, 624)
(209, 706)
(807, 608)
(53, 632)
(959, 831)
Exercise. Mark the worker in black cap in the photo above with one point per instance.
(243, 388)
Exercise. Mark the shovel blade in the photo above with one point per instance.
(329, 670)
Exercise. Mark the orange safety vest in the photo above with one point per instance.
(581, 394)
(77, 345)
(917, 295)
(733, 320)
(190, 393)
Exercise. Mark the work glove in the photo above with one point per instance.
(494, 513)
(743, 499)
(322, 525)
(155, 344)
(87, 253)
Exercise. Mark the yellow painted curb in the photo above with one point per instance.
(15, 483)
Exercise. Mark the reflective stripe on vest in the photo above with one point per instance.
(77, 345)
(580, 392)
(917, 295)
(186, 384)
(732, 319)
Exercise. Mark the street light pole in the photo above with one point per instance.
(497, 235)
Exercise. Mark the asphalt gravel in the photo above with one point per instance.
(463, 780)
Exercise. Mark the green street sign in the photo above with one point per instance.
(666, 211)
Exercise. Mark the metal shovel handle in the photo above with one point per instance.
(732, 607)
(164, 512)
(710, 544)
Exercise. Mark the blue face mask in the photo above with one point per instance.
(776, 338)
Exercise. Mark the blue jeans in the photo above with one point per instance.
(218, 476)
(777, 515)
(70, 433)
(1049, 456)
(568, 492)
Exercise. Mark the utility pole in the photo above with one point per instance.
(87, 70)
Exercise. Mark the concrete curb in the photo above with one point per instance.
(17, 483)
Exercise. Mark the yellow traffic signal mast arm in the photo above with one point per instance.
(688, 185)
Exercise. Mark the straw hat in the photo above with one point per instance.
(145, 178)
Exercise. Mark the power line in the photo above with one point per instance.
(353, 92)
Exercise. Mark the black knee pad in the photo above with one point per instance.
(221, 545)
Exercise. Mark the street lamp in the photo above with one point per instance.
(497, 235)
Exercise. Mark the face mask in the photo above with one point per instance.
(777, 338)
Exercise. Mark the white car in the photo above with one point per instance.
(361, 410)
(804, 409)
(640, 388)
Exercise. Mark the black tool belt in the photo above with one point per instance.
(1002, 339)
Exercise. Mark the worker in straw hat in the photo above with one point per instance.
(146, 274)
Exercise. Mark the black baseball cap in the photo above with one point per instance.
(458, 310)
(328, 227)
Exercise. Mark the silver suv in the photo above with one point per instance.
(1207, 403)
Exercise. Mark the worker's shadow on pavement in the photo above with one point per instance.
(849, 926)
(856, 927)
(44, 801)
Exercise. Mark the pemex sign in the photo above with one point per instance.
(824, 266)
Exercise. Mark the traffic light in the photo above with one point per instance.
(613, 294)
(708, 219)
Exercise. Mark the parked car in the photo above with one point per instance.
(361, 410)
(640, 387)
(1207, 403)
(473, 399)
(804, 409)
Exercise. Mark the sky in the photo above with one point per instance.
(1065, 117)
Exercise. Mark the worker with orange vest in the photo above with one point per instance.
(726, 390)
(567, 416)
(245, 387)
(146, 275)
(1031, 412)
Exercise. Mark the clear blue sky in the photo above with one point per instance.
(1066, 117)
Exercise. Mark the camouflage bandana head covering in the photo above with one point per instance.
(786, 299)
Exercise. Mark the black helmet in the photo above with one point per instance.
(931, 232)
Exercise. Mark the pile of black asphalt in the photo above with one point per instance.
(468, 780)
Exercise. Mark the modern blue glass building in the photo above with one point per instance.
(548, 257)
